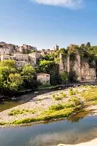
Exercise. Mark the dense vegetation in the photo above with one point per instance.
(14, 79)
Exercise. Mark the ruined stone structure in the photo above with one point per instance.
(81, 67)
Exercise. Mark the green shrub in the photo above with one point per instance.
(75, 91)
(69, 104)
(15, 112)
(2, 123)
(59, 96)
(64, 77)
(90, 95)
(24, 121)
(63, 94)
(71, 91)
(48, 115)
(56, 107)
(19, 112)
(75, 100)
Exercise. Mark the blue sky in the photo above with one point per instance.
(45, 23)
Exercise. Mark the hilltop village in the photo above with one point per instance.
(75, 59)
(24, 54)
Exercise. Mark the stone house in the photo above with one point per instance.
(21, 57)
(5, 57)
(43, 78)
(26, 48)
(21, 63)
(5, 51)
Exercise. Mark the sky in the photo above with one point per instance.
(45, 23)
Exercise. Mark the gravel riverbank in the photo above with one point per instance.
(54, 104)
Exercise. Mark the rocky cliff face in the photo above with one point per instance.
(83, 70)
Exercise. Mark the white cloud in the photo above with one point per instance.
(63, 3)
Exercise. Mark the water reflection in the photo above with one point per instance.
(50, 134)
(79, 116)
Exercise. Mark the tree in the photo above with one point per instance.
(88, 44)
(29, 76)
(11, 81)
(8, 63)
(49, 57)
(72, 76)
(7, 67)
(82, 45)
(64, 77)
(15, 81)
(46, 66)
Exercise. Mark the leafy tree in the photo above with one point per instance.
(46, 65)
(88, 44)
(72, 76)
(29, 76)
(12, 80)
(6, 67)
(8, 63)
(54, 77)
(15, 81)
(64, 77)
(82, 45)
(49, 57)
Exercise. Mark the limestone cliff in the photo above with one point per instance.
(83, 69)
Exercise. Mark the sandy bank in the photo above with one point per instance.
(90, 143)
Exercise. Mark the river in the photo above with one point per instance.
(51, 134)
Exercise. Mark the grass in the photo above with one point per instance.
(71, 92)
(19, 112)
(54, 112)
(59, 96)
(56, 107)
(72, 102)
(48, 115)
(90, 95)
(25, 121)
(75, 100)
(2, 123)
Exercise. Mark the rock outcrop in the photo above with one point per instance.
(83, 69)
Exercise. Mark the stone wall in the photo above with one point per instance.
(21, 57)
(43, 78)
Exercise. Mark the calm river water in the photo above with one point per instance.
(50, 134)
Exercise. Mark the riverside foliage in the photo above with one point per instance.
(14, 79)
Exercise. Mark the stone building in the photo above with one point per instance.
(43, 78)
(21, 63)
(21, 57)
(26, 48)
(5, 51)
